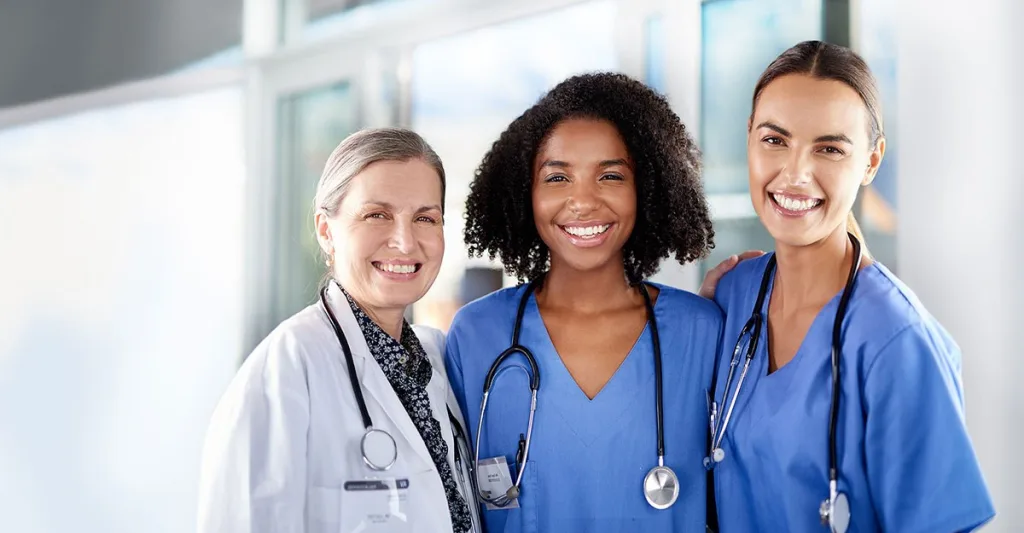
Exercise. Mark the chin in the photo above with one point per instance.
(796, 237)
(392, 295)
(579, 263)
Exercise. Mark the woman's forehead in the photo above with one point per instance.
(806, 106)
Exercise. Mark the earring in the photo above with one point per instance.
(330, 260)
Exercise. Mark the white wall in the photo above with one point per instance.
(120, 310)
(961, 222)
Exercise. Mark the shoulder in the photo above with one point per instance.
(895, 322)
(286, 351)
(500, 303)
(677, 303)
(742, 282)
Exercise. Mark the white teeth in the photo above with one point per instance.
(587, 231)
(397, 269)
(796, 205)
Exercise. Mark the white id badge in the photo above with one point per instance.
(375, 506)
(494, 479)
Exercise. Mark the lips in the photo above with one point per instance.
(397, 270)
(794, 205)
(586, 234)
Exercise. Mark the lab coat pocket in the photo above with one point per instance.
(323, 510)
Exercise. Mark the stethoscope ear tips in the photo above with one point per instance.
(512, 493)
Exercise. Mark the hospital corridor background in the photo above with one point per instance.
(158, 160)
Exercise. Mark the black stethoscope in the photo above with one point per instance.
(378, 448)
(661, 485)
(835, 511)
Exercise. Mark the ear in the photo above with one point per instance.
(874, 162)
(323, 232)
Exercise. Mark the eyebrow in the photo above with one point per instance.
(562, 164)
(554, 163)
(834, 137)
(390, 207)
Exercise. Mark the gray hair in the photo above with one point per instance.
(360, 150)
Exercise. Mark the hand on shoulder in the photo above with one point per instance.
(711, 279)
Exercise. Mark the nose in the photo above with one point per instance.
(402, 239)
(798, 169)
(583, 200)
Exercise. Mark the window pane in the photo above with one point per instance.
(878, 202)
(330, 18)
(740, 39)
(312, 125)
(654, 53)
(466, 90)
(122, 310)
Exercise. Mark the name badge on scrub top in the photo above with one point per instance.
(375, 506)
(494, 480)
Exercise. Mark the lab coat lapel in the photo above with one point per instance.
(375, 385)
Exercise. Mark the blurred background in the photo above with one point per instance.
(158, 160)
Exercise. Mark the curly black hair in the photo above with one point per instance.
(672, 212)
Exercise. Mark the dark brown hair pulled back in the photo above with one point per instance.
(829, 61)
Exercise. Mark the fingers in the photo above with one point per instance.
(713, 276)
(711, 279)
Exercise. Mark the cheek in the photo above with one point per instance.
(363, 241)
(623, 202)
(840, 182)
(546, 205)
(432, 242)
(762, 168)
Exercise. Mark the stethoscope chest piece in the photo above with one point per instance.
(835, 513)
(379, 449)
(661, 487)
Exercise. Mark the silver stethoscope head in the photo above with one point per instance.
(661, 486)
(835, 511)
(379, 449)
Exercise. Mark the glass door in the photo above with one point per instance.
(311, 124)
(303, 105)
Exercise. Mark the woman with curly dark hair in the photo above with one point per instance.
(583, 196)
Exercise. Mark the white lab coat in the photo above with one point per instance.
(285, 436)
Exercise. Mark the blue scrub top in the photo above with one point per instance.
(588, 458)
(906, 462)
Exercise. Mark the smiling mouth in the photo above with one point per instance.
(586, 232)
(396, 268)
(795, 205)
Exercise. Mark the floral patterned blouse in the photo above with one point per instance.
(408, 370)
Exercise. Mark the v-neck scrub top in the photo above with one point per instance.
(588, 458)
(906, 462)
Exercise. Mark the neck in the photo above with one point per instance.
(812, 274)
(388, 319)
(589, 291)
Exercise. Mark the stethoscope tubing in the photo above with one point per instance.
(753, 327)
(517, 347)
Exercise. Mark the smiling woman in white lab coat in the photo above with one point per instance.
(286, 450)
